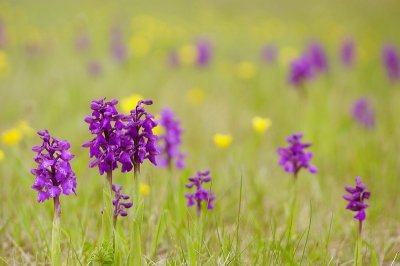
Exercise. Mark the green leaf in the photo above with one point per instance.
(117, 248)
(55, 244)
(107, 228)
(135, 257)
(374, 259)
(160, 231)
(104, 255)
(139, 215)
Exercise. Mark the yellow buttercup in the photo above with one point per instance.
(261, 124)
(222, 140)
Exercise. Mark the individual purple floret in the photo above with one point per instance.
(294, 158)
(204, 52)
(201, 194)
(140, 143)
(391, 61)
(53, 173)
(364, 113)
(300, 71)
(318, 58)
(117, 45)
(269, 53)
(357, 196)
(170, 142)
(347, 52)
(106, 124)
(119, 207)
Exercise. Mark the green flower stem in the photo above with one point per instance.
(108, 214)
(358, 258)
(55, 238)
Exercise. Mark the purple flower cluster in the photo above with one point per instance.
(119, 207)
(294, 158)
(269, 53)
(300, 71)
(357, 196)
(364, 113)
(127, 139)
(170, 142)
(54, 169)
(347, 52)
(201, 194)
(140, 144)
(318, 57)
(204, 52)
(391, 61)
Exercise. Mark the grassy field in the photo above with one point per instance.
(44, 80)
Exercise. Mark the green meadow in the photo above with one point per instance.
(261, 215)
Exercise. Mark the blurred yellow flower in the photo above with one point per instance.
(144, 189)
(139, 45)
(287, 54)
(5, 69)
(25, 129)
(11, 136)
(246, 70)
(196, 96)
(158, 130)
(130, 102)
(260, 124)
(1, 155)
(187, 54)
(222, 140)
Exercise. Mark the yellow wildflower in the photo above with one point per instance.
(260, 124)
(222, 140)
(287, 54)
(196, 96)
(144, 189)
(1, 155)
(5, 68)
(139, 45)
(25, 129)
(246, 70)
(158, 130)
(130, 102)
(187, 54)
(11, 136)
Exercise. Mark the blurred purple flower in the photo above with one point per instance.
(173, 59)
(82, 41)
(300, 71)
(141, 142)
(347, 52)
(94, 68)
(357, 196)
(170, 142)
(364, 113)
(318, 57)
(118, 47)
(106, 124)
(391, 61)
(293, 158)
(269, 53)
(204, 52)
(201, 194)
(3, 34)
(119, 207)
(53, 173)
